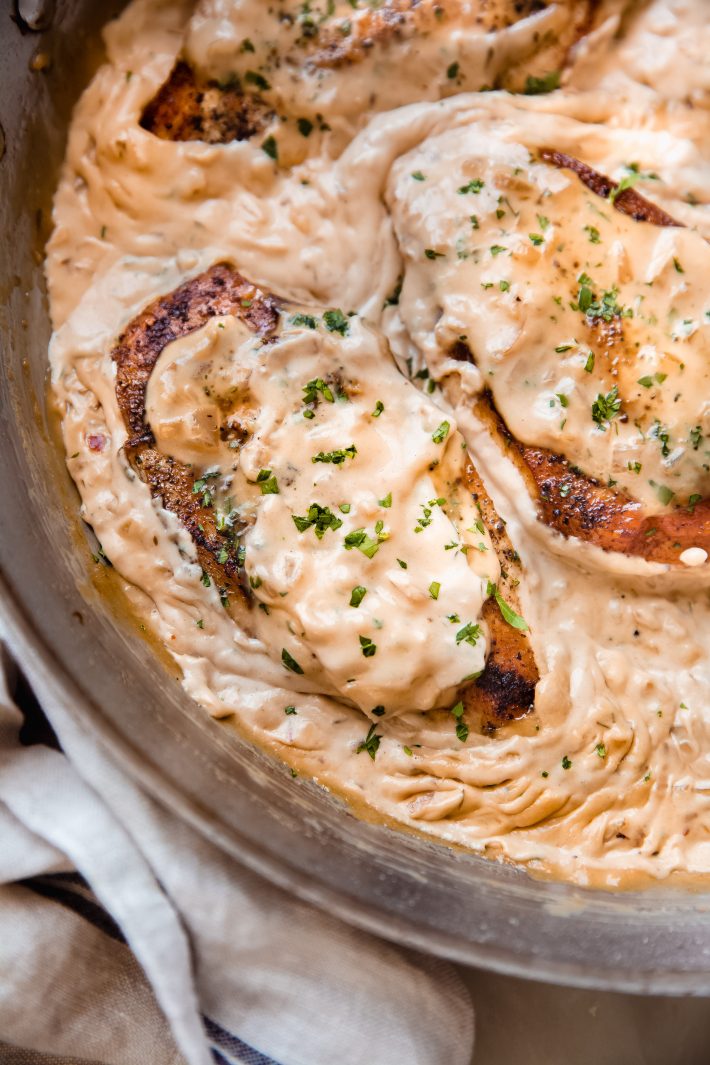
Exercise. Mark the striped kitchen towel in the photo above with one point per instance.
(126, 938)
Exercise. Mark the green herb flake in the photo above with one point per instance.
(338, 457)
(547, 83)
(402, 563)
(290, 662)
(536, 238)
(336, 322)
(318, 517)
(386, 502)
(566, 763)
(418, 176)
(357, 595)
(371, 743)
(305, 127)
(305, 321)
(440, 434)
(252, 77)
(605, 408)
(434, 589)
(271, 148)
(601, 750)
(506, 610)
(589, 364)
(431, 254)
(368, 647)
(473, 186)
(593, 234)
(289, 710)
(469, 634)
(452, 71)
(379, 407)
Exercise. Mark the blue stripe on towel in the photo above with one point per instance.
(56, 889)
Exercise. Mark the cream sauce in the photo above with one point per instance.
(609, 780)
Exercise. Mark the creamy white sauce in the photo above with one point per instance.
(393, 536)
(608, 781)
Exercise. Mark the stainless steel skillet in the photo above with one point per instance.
(69, 640)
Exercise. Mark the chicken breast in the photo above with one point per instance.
(505, 688)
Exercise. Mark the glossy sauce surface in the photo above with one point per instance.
(608, 780)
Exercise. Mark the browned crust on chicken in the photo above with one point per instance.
(397, 19)
(574, 504)
(569, 501)
(506, 688)
(628, 201)
(220, 290)
(187, 108)
(504, 691)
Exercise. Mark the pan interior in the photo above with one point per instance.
(74, 641)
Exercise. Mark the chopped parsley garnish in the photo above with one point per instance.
(205, 578)
(200, 623)
(312, 390)
(496, 249)
(547, 83)
(336, 457)
(506, 610)
(606, 407)
(271, 148)
(290, 662)
(369, 545)
(627, 182)
(564, 400)
(665, 494)
(290, 710)
(659, 432)
(252, 77)
(470, 634)
(452, 71)
(536, 239)
(321, 518)
(386, 502)
(566, 763)
(379, 407)
(368, 647)
(418, 176)
(307, 321)
(267, 482)
(562, 348)
(402, 563)
(336, 322)
(504, 286)
(440, 434)
(431, 254)
(601, 750)
(474, 185)
(461, 727)
(305, 127)
(678, 267)
(434, 589)
(589, 364)
(370, 744)
(344, 508)
(357, 595)
(593, 234)
(695, 436)
(648, 381)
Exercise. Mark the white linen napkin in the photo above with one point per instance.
(128, 939)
